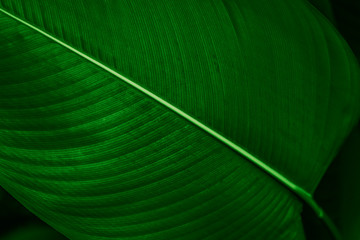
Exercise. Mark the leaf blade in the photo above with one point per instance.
(91, 192)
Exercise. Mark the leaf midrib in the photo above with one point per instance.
(298, 191)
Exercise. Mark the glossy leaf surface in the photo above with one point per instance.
(98, 159)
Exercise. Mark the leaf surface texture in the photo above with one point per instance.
(97, 159)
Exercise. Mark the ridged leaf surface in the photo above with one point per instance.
(98, 159)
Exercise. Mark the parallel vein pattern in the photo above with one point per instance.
(272, 76)
(289, 95)
(97, 160)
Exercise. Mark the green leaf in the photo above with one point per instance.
(171, 119)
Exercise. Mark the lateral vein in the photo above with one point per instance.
(299, 191)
